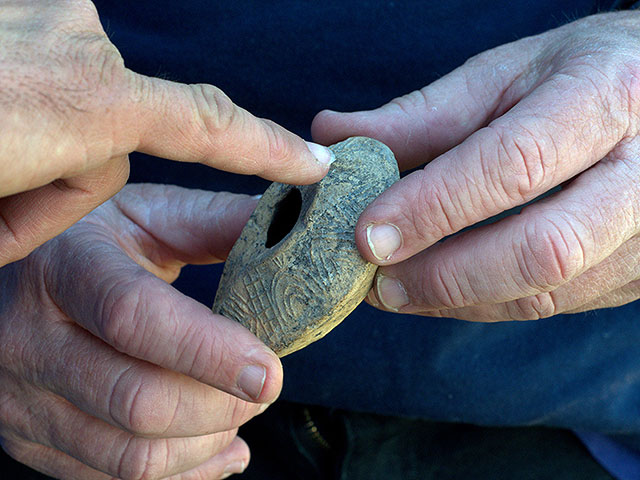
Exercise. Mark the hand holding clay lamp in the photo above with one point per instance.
(295, 272)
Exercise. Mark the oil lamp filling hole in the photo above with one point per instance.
(285, 217)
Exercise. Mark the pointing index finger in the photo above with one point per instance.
(199, 123)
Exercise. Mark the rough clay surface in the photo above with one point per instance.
(295, 291)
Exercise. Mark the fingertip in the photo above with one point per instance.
(386, 124)
(281, 156)
(391, 292)
(371, 298)
(379, 238)
(240, 448)
(238, 456)
(321, 154)
(329, 127)
(383, 240)
(260, 381)
(273, 381)
(321, 120)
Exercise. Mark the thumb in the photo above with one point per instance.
(199, 123)
(191, 226)
(30, 218)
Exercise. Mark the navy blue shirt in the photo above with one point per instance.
(286, 60)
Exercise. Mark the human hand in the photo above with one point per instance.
(70, 113)
(561, 108)
(105, 369)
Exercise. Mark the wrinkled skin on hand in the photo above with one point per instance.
(70, 113)
(105, 369)
(561, 108)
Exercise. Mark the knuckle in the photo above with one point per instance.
(629, 86)
(104, 60)
(143, 459)
(432, 211)
(96, 67)
(479, 61)
(216, 112)
(411, 103)
(280, 149)
(534, 307)
(446, 290)
(201, 354)
(550, 256)
(141, 404)
(522, 170)
(122, 319)
(436, 199)
(238, 412)
(84, 16)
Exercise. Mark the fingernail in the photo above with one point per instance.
(322, 154)
(251, 380)
(234, 467)
(384, 240)
(371, 297)
(391, 293)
